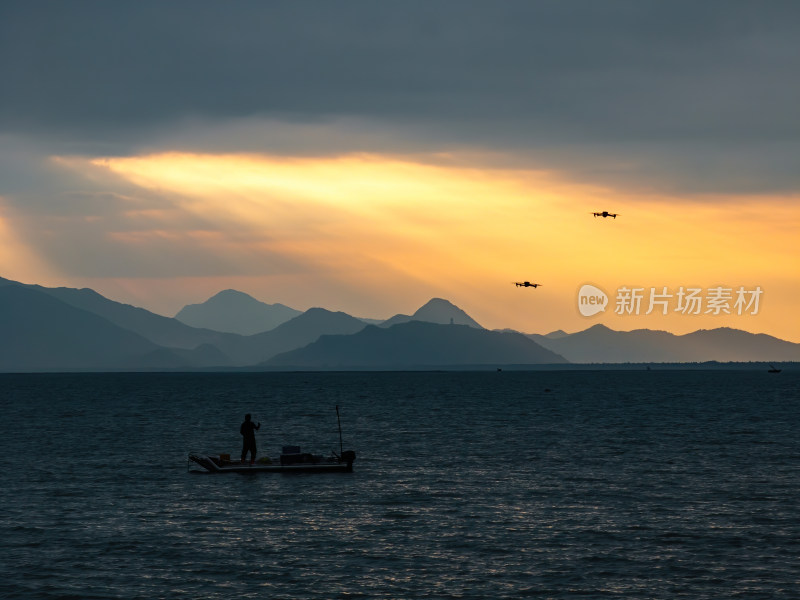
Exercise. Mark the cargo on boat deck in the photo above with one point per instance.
(295, 458)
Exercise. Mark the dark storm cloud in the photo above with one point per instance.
(674, 79)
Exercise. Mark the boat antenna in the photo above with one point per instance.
(339, 421)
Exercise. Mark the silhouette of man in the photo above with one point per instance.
(248, 431)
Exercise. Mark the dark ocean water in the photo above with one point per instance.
(568, 484)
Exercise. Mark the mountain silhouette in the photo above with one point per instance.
(43, 333)
(599, 344)
(78, 329)
(554, 335)
(231, 311)
(164, 331)
(295, 333)
(176, 343)
(417, 344)
(436, 310)
(395, 320)
(735, 345)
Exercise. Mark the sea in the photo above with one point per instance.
(647, 484)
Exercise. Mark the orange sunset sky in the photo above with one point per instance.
(440, 163)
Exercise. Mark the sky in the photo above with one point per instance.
(367, 156)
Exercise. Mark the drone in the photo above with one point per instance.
(605, 214)
(526, 284)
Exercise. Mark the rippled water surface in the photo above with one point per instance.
(467, 485)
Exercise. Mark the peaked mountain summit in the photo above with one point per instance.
(231, 311)
(436, 310)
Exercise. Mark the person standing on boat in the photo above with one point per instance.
(248, 431)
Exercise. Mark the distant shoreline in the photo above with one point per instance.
(646, 367)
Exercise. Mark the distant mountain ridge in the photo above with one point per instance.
(417, 344)
(161, 330)
(172, 343)
(599, 344)
(295, 333)
(79, 329)
(231, 311)
(43, 333)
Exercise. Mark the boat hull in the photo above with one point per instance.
(216, 466)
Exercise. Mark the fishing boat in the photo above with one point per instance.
(772, 369)
(289, 462)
